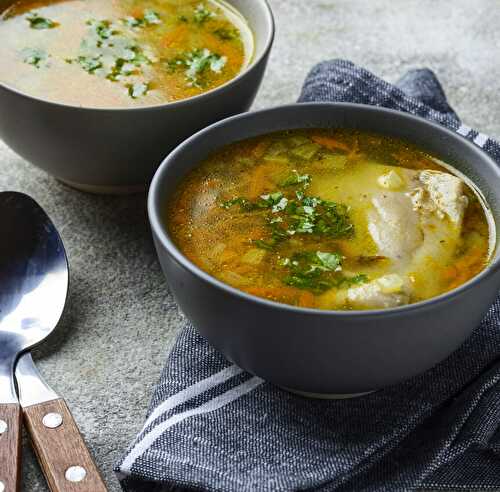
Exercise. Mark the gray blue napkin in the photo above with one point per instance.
(213, 427)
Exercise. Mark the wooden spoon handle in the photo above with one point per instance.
(10, 447)
(61, 450)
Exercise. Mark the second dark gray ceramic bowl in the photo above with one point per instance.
(117, 150)
(315, 351)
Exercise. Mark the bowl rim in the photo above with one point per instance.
(181, 102)
(161, 233)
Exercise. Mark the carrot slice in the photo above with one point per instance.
(175, 37)
(330, 143)
(260, 149)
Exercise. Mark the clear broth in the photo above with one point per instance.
(121, 53)
(244, 216)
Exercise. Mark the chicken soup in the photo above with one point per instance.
(332, 219)
(121, 53)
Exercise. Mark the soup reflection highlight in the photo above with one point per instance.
(121, 53)
(329, 219)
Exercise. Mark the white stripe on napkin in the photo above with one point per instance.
(481, 139)
(192, 391)
(214, 404)
(464, 130)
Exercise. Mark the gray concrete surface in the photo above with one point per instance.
(121, 320)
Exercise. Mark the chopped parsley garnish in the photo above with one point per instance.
(88, 63)
(109, 53)
(297, 179)
(318, 271)
(133, 58)
(121, 68)
(245, 204)
(103, 28)
(137, 90)
(38, 22)
(150, 18)
(197, 64)
(299, 215)
(34, 56)
(226, 34)
(202, 14)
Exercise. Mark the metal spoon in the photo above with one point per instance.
(33, 288)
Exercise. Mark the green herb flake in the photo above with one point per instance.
(197, 64)
(200, 61)
(121, 68)
(34, 56)
(297, 179)
(36, 21)
(89, 63)
(104, 29)
(150, 18)
(202, 14)
(227, 34)
(137, 90)
(360, 278)
(328, 261)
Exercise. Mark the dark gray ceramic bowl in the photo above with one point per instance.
(326, 352)
(118, 150)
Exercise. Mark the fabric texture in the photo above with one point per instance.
(213, 427)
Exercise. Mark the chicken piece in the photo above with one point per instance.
(387, 291)
(394, 225)
(442, 194)
(416, 225)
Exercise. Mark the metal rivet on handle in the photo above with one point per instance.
(2, 486)
(52, 420)
(74, 474)
(3, 428)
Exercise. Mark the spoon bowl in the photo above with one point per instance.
(34, 278)
(33, 289)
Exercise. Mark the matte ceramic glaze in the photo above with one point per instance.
(326, 351)
(118, 150)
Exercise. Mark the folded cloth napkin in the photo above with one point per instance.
(213, 427)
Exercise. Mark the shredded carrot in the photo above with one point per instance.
(306, 299)
(354, 151)
(137, 12)
(176, 36)
(464, 268)
(272, 292)
(330, 143)
(260, 149)
(212, 183)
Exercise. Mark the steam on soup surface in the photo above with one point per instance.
(121, 53)
(331, 220)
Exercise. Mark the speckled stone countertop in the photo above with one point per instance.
(121, 320)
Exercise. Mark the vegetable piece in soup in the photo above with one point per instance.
(332, 220)
(121, 53)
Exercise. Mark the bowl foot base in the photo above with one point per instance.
(105, 189)
(327, 396)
